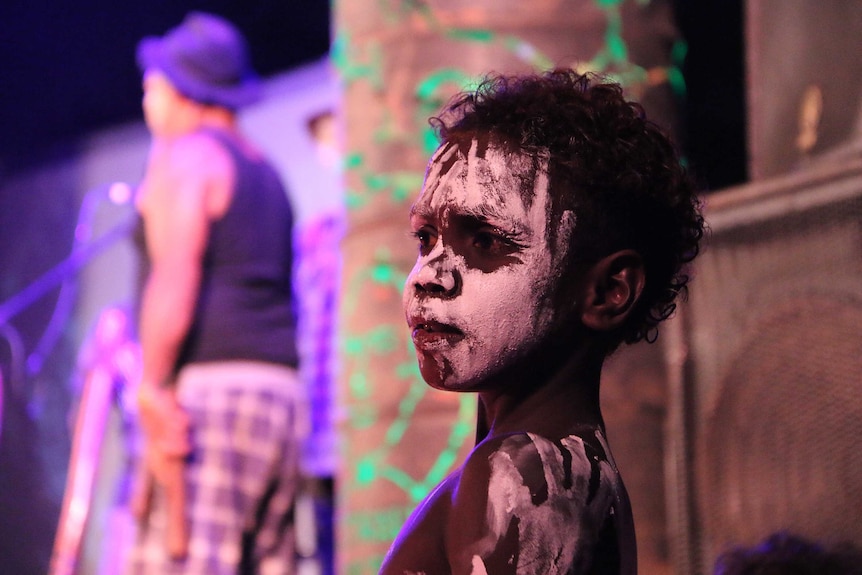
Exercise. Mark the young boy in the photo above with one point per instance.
(553, 225)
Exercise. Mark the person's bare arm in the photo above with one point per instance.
(185, 180)
(182, 179)
(478, 537)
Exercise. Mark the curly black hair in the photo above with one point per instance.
(785, 553)
(617, 171)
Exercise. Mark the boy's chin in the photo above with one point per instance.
(436, 373)
(444, 378)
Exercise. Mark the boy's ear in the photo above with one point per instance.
(611, 288)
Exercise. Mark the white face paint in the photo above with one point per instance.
(478, 297)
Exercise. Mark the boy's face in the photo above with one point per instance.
(479, 297)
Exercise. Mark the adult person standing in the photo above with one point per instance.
(221, 404)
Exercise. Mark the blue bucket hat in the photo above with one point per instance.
(206, 58)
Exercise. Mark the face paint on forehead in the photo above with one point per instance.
(507, 170)
(482, 178)
(439, 166)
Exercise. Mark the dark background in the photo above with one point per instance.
(67, 68)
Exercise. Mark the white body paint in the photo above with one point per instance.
(562, 530)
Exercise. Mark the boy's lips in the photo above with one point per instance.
(430, 334)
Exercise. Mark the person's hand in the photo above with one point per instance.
(166, 444)
(166, 429)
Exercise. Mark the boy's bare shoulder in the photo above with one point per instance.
(519, 448)
(524, 460)
(514, 488)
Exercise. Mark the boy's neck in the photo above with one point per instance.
(552, 398)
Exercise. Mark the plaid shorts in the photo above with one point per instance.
(248, 422)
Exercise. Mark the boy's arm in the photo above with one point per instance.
(481, 531)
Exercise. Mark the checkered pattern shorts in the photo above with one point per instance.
(248, 421)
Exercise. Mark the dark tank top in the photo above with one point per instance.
(245, 308)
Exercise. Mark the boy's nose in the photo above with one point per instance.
(436, 277)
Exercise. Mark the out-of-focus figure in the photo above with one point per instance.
(221, 405)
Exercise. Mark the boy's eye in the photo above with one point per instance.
(427, 239)
(493, 243)
(487, 241)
